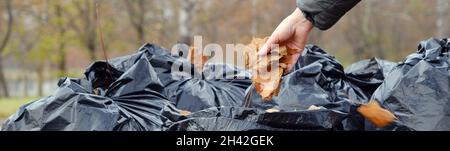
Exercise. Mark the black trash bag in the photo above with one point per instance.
(218, 124)
(230, 119)
(217, 85)
(318, 80)
(138, 85)
(137, 93)
(369, 74)
(227, 73)
(215, 90)
(132, 101)
(252, 119)
(71, 108)
(222, 119)
(417, 90)
(321, 119)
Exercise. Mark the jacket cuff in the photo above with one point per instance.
(323, 14)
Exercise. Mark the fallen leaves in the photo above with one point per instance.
(197, 58)
(184, 113)
(267, 70)
(313, 108)
(378, 116)
(272, 110)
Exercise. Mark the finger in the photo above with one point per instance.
(298, 46)
(290, 67)
(293, 61)
(267, 47)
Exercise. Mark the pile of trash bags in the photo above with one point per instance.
(417, 90)
(144, 92)
(135, 92)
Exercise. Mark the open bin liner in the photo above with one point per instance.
(130, 101)
(417, 90)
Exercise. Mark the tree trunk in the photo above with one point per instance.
(136, 13)
(25, 85)
(91, 48)
(185, 26)
(62, 71)
(62, 43)
(141, 34)
(40, 79)
(442, 17)
(24, 77)
(4, 85)
(141, 22)
(254, 27)
(87, 31)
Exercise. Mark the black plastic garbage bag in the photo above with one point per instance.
(71, 107)
(322, 119)
(369, 74)
(214, 90)
(217, 85)
(417, 90)
(251, 119)
(221, 119)
(319, 80)
(135, 91)
(125, 100)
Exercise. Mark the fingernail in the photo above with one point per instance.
(262, 51)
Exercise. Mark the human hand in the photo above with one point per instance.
(292, 32)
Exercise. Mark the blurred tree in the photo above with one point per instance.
(185, 26)
(60, 35)
(40, 57)
(364, 32)
(255, 16)
(32, 18)
(4, 41)
(137, 12)
(442, 18)
(84, 25)
(62, 28)
(40, 49)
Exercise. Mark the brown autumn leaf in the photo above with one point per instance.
(313, 108)
(378, 116)
(272, 110)
(184, 113)
(267, 70)
(197, 58)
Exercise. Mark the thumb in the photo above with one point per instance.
(267, 47)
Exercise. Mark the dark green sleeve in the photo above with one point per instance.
(325, 13)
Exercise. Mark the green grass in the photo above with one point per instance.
(8, 106)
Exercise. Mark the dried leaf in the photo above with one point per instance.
(378, 116)
(268, 70)
(184, 113)
(197, 58)
(272, 110)
(313, 107)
